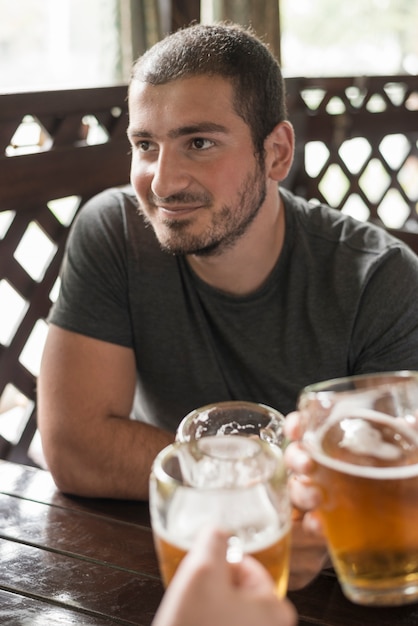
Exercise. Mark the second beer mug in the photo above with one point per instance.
(234, 417)
(237, 484)
(362, 433)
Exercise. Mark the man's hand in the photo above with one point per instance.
(309, 554)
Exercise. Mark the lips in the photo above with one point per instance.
(178, 211)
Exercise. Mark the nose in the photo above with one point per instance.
(170, 174)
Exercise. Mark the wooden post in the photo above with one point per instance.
(183, 12)
(262, 16)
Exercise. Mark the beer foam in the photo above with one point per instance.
(249, 516)
(360, 437)
(242, 543)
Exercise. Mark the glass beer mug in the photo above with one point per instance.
(237, 484)
(362, 433)
(234, 417)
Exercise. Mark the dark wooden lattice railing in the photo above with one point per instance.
(57, 150)
(357, 149)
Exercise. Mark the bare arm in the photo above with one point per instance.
(85, 394)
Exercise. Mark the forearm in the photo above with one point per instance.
(113, 462)
(85, 395)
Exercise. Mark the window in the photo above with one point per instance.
(61, 44)
(360, 37)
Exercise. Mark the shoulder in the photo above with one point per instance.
(327, 230)
(112, 215)
(109, 203)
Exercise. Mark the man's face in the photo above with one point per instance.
(194, 171)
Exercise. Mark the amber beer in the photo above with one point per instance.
(274, 557)
(367, 468)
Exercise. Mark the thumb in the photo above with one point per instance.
(210, 548)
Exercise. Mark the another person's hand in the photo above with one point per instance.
(309, 554)
(209, 591)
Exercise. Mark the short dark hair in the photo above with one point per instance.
(230, 51)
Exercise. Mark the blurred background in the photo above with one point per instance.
(351, 70)
(56, 44)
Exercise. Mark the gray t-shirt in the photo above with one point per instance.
(342, 299)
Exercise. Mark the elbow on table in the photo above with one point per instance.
(65, 466)
(64, 477)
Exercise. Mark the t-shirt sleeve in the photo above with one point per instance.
(93, 298)
(386, 327)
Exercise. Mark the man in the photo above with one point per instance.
(204, 282)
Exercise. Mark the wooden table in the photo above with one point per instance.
(67, 560)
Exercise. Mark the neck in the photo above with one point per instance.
(243, 268)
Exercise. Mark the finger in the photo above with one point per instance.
(312, 524)
(307, 534)
(292, 426)
(298, 460)
(209, 549)
(304, 494)
(211, 542)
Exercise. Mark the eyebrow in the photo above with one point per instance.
(192, 129)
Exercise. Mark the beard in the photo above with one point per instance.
(226, 227)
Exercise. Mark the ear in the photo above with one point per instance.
(279, 147)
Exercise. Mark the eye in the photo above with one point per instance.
(145, 146)
(202, 144)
